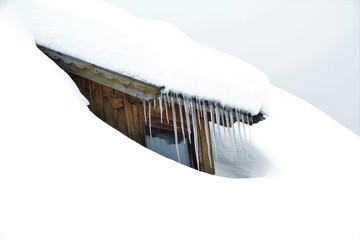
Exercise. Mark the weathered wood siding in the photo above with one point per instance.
(126, 114)
(116, 108)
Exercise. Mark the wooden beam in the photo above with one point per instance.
(120, 82)
(206, 161)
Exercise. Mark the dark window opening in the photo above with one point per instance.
(162, 141)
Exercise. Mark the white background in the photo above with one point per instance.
(310, 48)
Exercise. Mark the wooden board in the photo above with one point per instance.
(115, 80)
(205, 154)
(109, 110)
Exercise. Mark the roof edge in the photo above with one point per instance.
(121, 82)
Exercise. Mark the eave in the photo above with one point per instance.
(104, 76)
(118, 81)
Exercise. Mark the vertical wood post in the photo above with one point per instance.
(206, 161)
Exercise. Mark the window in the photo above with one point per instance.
(162, 141)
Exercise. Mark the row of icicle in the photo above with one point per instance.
(220, 127)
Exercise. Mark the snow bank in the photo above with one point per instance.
(64, 174)
(152, 51)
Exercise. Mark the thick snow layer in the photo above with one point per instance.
(152, 51)
(64, 174)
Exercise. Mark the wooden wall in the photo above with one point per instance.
(126, 114)
(119, 110)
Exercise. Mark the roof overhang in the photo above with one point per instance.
(115, 80)
(103, 76)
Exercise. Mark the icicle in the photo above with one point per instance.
(238, 121)
(169, 101)
(161, 112)
(244, 130)
(186, 106)
(231, 116)
(150, 118)
(198, 107)
(249, 124)
(223, 121)
(243, 123)
(166, 109)
(217, 115)
(233, 133)
(227, 122)
(195, 134)
(206, 124)
(154, 104)
(181, 119)
(239, 129)
(212, 131)
(144, 106)
(175, 127)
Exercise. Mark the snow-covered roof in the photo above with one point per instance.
(151, 51)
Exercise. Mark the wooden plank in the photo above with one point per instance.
(139, 123)
(77, 81)
(206, 161)
(91, 98)
(129, 118)
(80, 83)
(109, 114)
(201, 150)
(84, 87)
(119, 113)
(97, 100)
(103, 76)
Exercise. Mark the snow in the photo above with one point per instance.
(64, 174)
(152, 51)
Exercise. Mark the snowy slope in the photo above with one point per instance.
(64, 174)
(152, 51)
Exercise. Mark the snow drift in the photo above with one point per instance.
(58, 180)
